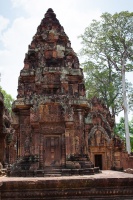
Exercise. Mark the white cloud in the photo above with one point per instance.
(3, 23)
(15, 42)
(70, 14)
(19, 34)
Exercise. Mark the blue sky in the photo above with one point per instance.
(19, 20)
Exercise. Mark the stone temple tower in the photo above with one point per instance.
(51, 107)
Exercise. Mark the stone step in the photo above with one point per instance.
(52, 172)
(56, 173)
(51, 175)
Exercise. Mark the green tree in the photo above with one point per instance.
(8, 100)
(108, 46)
(120, 130)
(105, 85)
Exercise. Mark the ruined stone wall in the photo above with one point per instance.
(7, 136)
(1, 128)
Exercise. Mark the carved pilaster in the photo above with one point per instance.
(63, 156)
(67, 138)
(41, 161)
(86, 140)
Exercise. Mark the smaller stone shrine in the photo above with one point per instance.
(51, 107)
(106, 150)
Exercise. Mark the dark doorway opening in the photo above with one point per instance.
(98, 161)
(52, 151)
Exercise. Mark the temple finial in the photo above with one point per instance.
(50, 13)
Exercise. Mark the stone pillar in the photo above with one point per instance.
(17, 144)
(67, 137)
(86, 139)
(81, 131)
(2, 148)
(63, 155)
(41, 160)
(72, 141)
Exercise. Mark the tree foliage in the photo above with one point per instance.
(8, 100)
(120, 130)
(106, 45)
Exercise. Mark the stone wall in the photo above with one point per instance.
(7, 149)
(1, 128)
(108, 185)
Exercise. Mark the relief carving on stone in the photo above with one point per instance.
(51, 113)
(53, 128)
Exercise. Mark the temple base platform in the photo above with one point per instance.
(106, 185)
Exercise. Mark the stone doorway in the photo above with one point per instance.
(98, 161)
(52, 151)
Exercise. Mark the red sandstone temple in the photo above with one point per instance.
(51, 106)
(57, 130)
